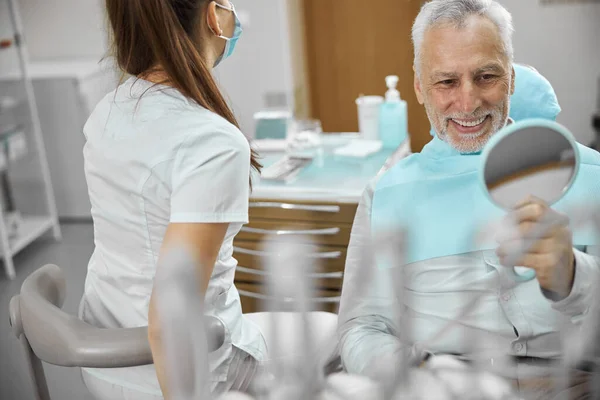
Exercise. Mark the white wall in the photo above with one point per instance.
(64, 29)
(563, 43)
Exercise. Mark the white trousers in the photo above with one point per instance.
(287, 339)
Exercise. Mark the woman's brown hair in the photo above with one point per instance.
(165, 33)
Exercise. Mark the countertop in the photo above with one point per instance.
(330, 177)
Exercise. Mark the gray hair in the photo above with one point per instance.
(456, 12)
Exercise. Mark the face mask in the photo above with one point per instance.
(232, 41)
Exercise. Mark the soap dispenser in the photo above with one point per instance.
(393, 120)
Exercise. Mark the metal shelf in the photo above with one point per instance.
(30, 229)
(16, 142)
(8, 104)
(18, 231)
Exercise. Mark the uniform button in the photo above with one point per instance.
(506, 297)
(518, 347)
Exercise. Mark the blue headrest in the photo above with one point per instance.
(534, 96)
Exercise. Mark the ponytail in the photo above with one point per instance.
(150, 33)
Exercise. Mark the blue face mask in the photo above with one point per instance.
(232, 41)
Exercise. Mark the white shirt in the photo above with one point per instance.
(518, 321)
(153, 157)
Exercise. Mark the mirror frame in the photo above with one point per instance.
(515, 128)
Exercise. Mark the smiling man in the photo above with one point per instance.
(465, 77)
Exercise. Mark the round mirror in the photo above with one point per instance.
(529, 158)
(533, 157)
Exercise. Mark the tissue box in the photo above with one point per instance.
(359, 148)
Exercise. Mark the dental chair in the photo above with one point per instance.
(50, 335)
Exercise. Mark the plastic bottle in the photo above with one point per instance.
(393, 116)
(369, 108)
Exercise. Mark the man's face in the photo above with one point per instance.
(465, 83)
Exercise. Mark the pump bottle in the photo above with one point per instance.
(393, 117)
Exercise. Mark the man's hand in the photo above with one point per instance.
(551, 256)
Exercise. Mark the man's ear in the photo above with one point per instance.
(513, 80)
(418, 88)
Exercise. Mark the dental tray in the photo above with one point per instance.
(285, 169)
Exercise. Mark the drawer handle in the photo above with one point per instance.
(313, 276)
(288, 300)
(258, 253)
(302, 207)
(325, 232)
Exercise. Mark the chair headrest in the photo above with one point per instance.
(534, 96)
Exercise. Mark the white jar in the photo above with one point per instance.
(368, 116)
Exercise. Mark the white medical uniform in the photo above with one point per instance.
(149, 162)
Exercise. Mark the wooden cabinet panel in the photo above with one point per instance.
(302, 211)
(252, 295)
(329, 233)
(327, 259)
(332, 223)
(325, 280)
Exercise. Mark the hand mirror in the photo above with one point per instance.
(529, 158)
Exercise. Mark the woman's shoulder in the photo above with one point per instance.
(160, 120)
(205, 128)
(173, 109)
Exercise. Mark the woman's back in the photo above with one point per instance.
(137, 152)
(152, 158)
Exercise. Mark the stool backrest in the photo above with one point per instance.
(49, 334)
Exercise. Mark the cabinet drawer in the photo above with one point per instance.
(302, 211)
(253, 300)
(322, 280)
(330, 233)
(326, 258)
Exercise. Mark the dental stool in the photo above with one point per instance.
(50, 335)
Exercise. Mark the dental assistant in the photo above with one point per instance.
(166, 164)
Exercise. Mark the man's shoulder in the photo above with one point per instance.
(400, 172)
(588, 155)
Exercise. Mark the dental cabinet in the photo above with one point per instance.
(316, 208)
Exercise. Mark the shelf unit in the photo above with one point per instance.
(20, 131)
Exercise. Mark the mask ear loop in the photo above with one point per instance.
(232, 9)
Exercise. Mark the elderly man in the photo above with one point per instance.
(464, 77)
